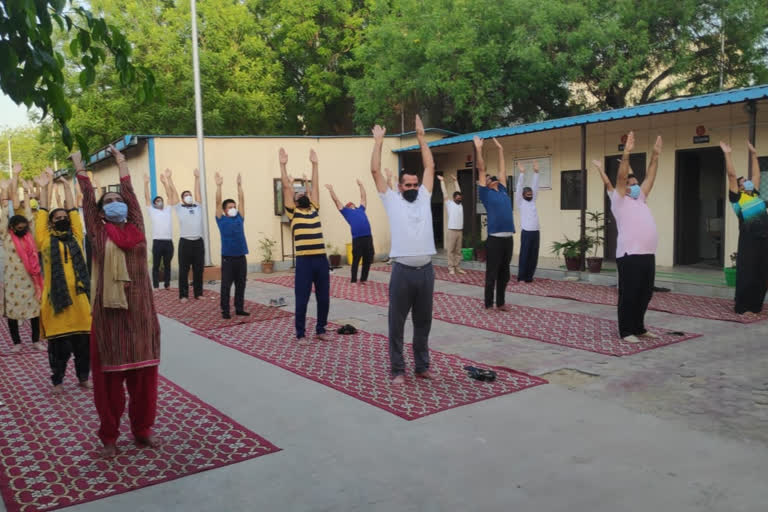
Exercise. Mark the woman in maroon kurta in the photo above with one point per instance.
(125, 336)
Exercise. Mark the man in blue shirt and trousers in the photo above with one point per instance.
(234, 267)
(362, 240)
(501, 227)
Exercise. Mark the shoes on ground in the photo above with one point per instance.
(649, 335)
(38, 346)
(281, 301)
(16, 348)
(347, 329)
(632, 339)
(452, 272)
(225, 315)
(242, 313)
(460, 271)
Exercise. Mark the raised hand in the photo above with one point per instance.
(77, 161)
(378, 133)
(218, 179)
(312, 156)
(168, 173)
(630, 144)
(196, 173)
(146, 178)
(725, 147)
(419, 126)
(359, 183)
(119, 157)
(598, 165)
(478, 142)
(751, 147)
(497, 143)
(520, 167)
(330, 187)
(49, 172)
(16, 169)
(440, 178)
(162, 179)
(239, 179)
(43, 179)
(283, 157)
(657, 146)
(535, 166)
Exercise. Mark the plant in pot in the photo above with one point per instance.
(334, 256)
(730, 272)
(481, 252)
(572, 251)
(595, 232)
(267, 263)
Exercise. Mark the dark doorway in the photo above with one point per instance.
(637, 163)
(699, 207)
(465, 182)
(438, 213)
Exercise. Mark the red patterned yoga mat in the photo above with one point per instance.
(205, 313)
(49, 448)
(370, 292)
(358, 365)
(559, 328)
(712, 308)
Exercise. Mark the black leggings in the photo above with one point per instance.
(61, 349)
(13, 326)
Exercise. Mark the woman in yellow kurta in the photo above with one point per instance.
(65, 312)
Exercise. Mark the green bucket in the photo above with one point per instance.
(730, 276)
(468, 254)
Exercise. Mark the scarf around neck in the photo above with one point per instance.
(27, 251)
(120, 238)
(59, 294)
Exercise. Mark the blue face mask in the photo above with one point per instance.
(749, 186)
(116, 211)
(634, 191)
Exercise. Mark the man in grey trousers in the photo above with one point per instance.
(413, 243)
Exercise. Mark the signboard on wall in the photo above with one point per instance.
(545, 170)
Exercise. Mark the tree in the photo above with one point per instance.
(34, 147)
(465, 64)
(32, 65)
(240, 76)
(635, 51)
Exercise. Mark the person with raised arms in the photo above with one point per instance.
(362, 239)
(162, 234)
(234, 247)
(454, 238)
(412, 280)
(530, 236)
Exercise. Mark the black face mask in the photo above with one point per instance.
(20, 232)
(62, 225)
(303, 202)
(528, 198)
(457, 201)
(410, 195)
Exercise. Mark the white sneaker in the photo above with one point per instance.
(451, 272)
(16, 348)
(632, 339)
(649, 335)
(38, 346)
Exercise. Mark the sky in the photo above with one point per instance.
(12, 115)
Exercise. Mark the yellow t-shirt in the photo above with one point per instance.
(307, 231)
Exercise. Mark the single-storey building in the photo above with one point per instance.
(689, 200)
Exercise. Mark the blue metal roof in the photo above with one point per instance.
(662, 107)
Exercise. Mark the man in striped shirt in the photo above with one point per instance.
(301, 208)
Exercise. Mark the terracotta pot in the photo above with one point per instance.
(595, 265)
(267, 267)
(573, 264)
(481, 254)
(335, 260)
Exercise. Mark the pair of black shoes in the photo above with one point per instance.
(347, 329)
(226, 316)
(480, 374)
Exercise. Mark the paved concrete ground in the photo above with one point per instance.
(680, 428)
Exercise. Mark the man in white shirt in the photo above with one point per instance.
(455, 213)
(525, 197)
(162, 235)
(412, 280)
(191, 243)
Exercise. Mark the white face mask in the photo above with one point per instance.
(188, 200)
(232, 212)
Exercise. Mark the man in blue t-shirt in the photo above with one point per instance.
(362, 240)
(501, 227)
(234, 267)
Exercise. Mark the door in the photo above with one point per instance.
(637, 163)
(465, 182)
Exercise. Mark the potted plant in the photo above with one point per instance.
(334, 256)
(730, 272)
(481, 252)
(572, 251)
(595, 233)
(267, 264)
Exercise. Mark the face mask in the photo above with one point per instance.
(232, 212)
(159, 205)
(188, 200)
(528, 198)
(62, 225)
(19, 232)
(410, 195)
(457, 201)
(116, 211)
(634, 191)
(303, 202)
(749, 186)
